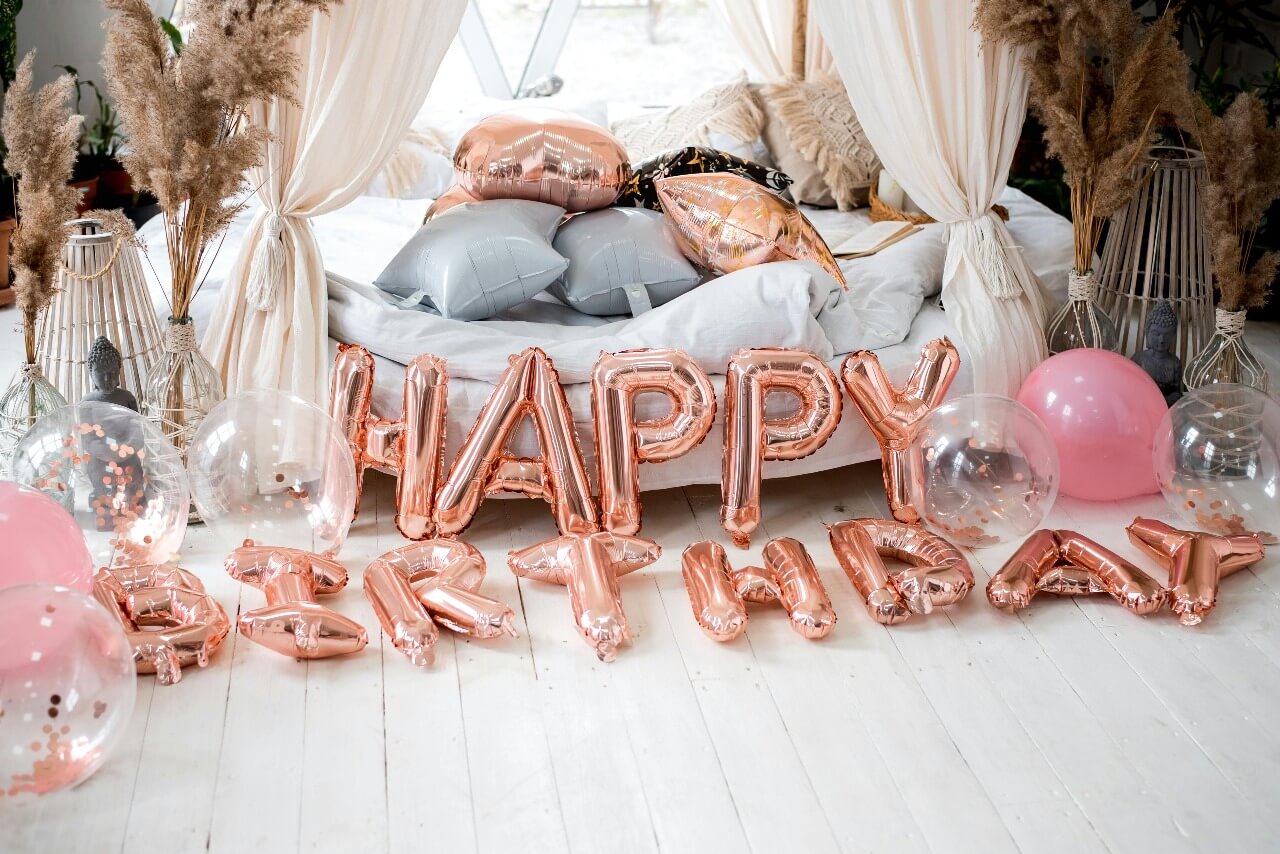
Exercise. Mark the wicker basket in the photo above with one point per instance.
(880, 212)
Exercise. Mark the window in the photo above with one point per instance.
(631, 53)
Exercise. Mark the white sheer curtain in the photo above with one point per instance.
(944, 113)
(764, 30)
(366, 68)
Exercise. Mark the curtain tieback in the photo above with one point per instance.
(266, 271)
(993, 258)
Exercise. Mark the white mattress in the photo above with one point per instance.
(887, 308)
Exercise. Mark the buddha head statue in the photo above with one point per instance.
(1162, 327)
(104, 364)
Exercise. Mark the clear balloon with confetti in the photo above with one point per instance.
(983, 469)
(67, 687)
(116, 474)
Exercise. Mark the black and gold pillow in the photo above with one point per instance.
(640, 192)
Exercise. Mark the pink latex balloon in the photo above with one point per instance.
(41, 542)
(1102, 411)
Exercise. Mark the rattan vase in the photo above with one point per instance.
(1156, 249)
(101, 291)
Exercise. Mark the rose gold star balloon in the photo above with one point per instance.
(544, 156)
(589, 566)
(727, 223)
(892, 413)
(936, 573)
(1197, 562)
(1066, 563)
(449, 199)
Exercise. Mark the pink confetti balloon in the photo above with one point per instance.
(1102, 411)
(42, 543)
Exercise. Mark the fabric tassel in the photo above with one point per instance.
(994, 261)
(266, 272)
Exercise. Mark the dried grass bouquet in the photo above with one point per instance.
(1101, 82)
(185, 114)
(1242, 159)
(42, 135)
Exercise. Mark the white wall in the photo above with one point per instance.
(67, 32)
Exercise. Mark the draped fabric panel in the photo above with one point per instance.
(944, 112)
(763, 30)
(366, 69)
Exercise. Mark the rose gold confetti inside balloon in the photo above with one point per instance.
(544, 156)
(983, 469)
(1217, 461)
(67, 688)
(727, 223)
(116, 474)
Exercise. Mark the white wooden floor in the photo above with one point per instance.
(1073, 726)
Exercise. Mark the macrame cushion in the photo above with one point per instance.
(725, 117)
(477, 260)
(621, 261)
(815, 137)
(726, 223)
(640, 191)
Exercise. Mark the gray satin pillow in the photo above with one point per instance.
(621, 261)
(477, 259)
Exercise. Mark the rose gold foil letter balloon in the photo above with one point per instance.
(751, 438)
(1196, 561)
(622, 442)
(800, 589)
(293, 623)
(893, 413)
(589, 565)
(411, 448)
(403, 618)
(727, 223)
(528, 388)
(719, 593)
(170, 621)
(544, 156)
(717, 606)
(1066, 563)
(936, 573)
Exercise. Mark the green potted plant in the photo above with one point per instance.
(98, 171)
(8, 215)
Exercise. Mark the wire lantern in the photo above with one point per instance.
(1156, 249)
(101, 291)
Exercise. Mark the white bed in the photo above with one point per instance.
(889, 307)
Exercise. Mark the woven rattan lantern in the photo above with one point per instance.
(101, 291)
(1156, 249)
